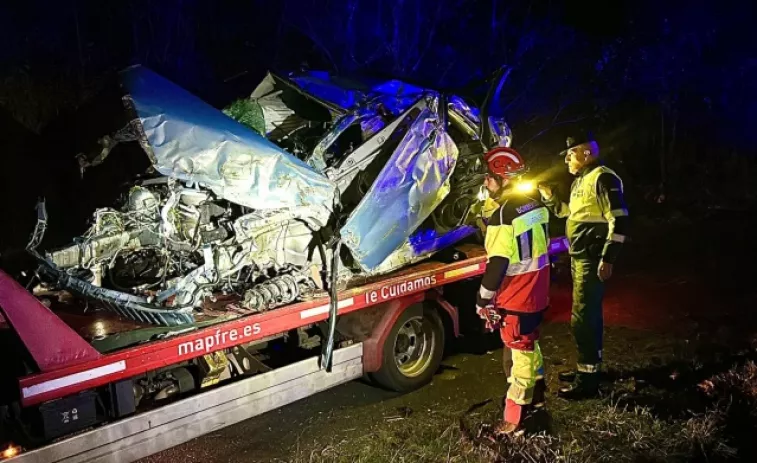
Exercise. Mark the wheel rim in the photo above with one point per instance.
(413, 347)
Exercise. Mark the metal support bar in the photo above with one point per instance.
(157, 430)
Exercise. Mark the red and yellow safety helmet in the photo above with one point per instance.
(505, 162)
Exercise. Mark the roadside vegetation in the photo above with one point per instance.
(667, 400)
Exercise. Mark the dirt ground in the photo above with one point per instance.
(679, 318)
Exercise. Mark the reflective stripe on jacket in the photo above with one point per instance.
(519, 232)
(598, 221)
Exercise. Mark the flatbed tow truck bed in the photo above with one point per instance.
(84, 400)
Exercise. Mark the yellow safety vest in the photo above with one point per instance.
(524, 241)
(584, 203)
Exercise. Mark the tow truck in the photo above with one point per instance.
(70, 399)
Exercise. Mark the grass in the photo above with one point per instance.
(666, 401)
(603, 432)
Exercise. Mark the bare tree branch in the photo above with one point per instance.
(555, 122)
(551, 126)
(351, 6)
(429, 37)
(312, 35)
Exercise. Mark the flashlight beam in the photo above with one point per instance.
(525, 187)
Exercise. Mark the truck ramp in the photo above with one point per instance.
(151, 432)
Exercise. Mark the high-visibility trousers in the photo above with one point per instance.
(523, 361)
(586, 318)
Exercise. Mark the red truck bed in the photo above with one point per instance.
(86, 368)
(68, 364)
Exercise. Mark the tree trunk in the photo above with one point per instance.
(671, 156)
(662, 150)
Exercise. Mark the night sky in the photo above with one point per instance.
(669, 88)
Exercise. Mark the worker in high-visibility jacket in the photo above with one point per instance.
(597, 227)
(514, 291)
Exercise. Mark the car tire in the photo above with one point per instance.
(412, 352)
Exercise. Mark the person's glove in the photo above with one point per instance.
(490, 315)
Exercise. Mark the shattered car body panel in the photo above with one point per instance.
(408, 189)
(191, 141)
(256, 207)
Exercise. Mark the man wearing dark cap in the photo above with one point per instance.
(597, 227)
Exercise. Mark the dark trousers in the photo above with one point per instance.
(586, 319)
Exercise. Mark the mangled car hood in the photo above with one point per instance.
(190, 140)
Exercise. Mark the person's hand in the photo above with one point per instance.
(545, 191)
(490, 315)
(605, 271)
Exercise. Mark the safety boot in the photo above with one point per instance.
(586, 386)
(505, 428)
(567, 376)
(512, 418)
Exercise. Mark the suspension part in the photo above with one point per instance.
(277, 291)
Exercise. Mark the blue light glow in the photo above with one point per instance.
(429, 240)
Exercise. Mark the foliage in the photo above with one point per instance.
(248, 113)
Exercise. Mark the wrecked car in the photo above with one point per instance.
(312, 178)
